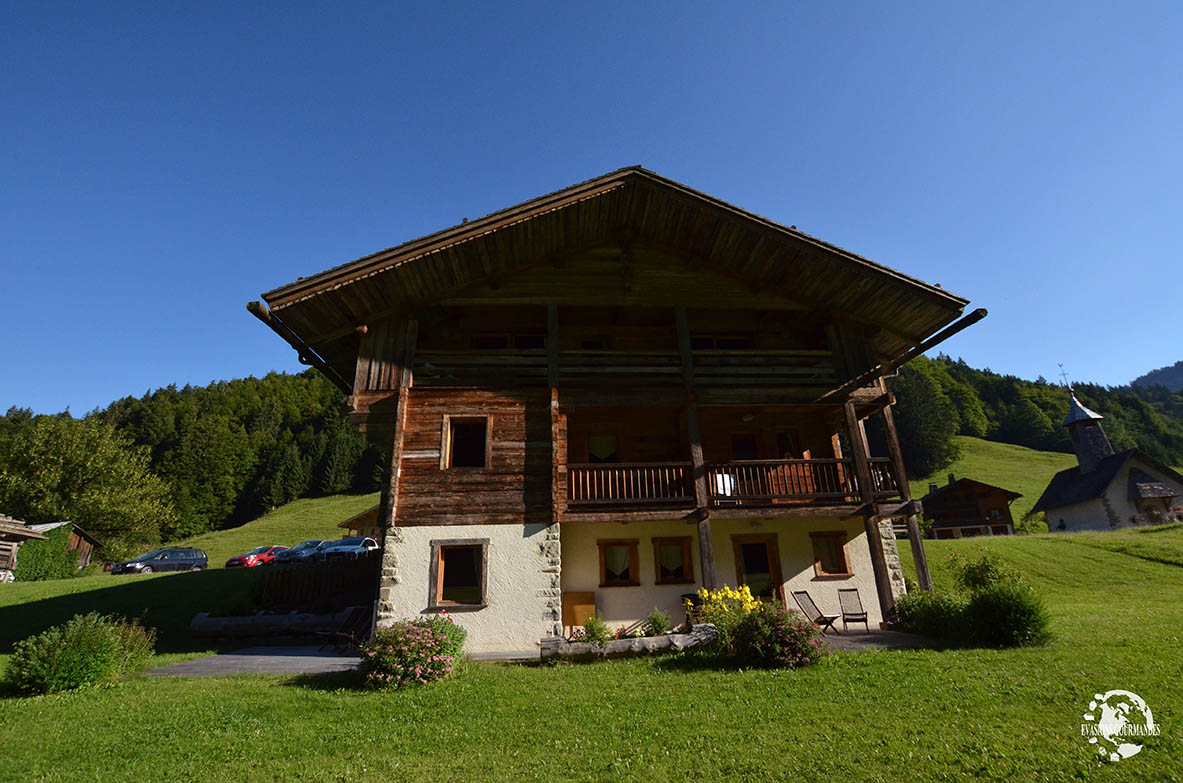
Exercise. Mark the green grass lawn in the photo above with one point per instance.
(168, 602)
(1011, 467)
(929, 715)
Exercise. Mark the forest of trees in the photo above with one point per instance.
(939, 398)
(209, 457)
(177, 462)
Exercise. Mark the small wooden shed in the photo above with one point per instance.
(364, 525)
(13, 533)
(965, 507)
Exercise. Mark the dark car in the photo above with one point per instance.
(303, 552)
(260, 555)
(347, 549)
(170, 559)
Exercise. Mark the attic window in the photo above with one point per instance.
(467, 442)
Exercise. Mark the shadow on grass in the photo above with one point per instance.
(329, 681)
(166, 603)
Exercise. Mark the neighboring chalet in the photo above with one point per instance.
(618, 393)
(13, 533)
(364, 525)
(965, 507)
(81, 541)
(1107, 490)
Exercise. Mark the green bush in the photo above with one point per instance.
(596, 631)
(939, 615)
(724, 608)
(772, 638)
(85, 650)
(657, 623)
(1007, 615)
(996, 610)
(48, 559)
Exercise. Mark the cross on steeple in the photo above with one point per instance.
(1064, 375)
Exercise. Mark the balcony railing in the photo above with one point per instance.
(622, 484)
(741, 482)
(764, 481)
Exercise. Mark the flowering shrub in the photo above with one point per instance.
(769, 637)
(412, 652)
(724, 608)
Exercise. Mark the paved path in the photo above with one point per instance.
(854, 641)
(263, 660)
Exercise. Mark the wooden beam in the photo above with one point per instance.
(885, 367)
(702, 497)
(858, 445)
(305, 353)
(923, 576)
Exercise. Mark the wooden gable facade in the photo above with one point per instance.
(624, 350)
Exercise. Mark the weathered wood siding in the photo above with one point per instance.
(516, 485)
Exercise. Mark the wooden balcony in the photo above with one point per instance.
(641, 485)
(771, 481)
(749, 483)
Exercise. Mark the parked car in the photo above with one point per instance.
(260, 555)
(303, 552)
(170, 559)
(347, 549)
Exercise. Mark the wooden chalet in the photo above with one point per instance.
(626, 389)
(965, 507)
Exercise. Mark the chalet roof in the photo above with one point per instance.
(961, 482)
(45, 527)
(1070, 486)
(631, 206)
(1077, 412)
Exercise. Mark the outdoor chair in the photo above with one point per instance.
(352, 632)
(811, 611)
(852, 608)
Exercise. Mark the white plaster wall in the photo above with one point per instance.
(1092, 515)
(518, 612)
(626, 605)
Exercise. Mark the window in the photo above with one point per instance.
(672, 562)
(786, 444)
(467, 442)
(619, 566)
(601, 449)
(743, 446)
(829, 554)
(757, 565)
(459, 573)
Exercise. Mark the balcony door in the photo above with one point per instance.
(757, 565)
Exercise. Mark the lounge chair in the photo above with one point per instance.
(811, 611)
(852, 608)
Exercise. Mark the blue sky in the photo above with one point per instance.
(164, 163)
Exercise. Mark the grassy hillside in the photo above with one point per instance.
(919, 715)
(288, 525)
(168, 602)
(1012, 467)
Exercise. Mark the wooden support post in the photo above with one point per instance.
(702, 496)
(858, 445)
(923, 576)
(558, 434)
(389, 509)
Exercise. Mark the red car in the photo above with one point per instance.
(262, 555)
